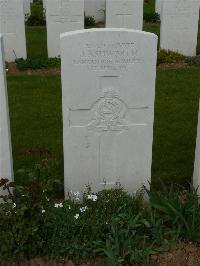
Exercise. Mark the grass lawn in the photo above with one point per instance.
(36, 120)
(35, 110)
(150, 6)
(36, 42)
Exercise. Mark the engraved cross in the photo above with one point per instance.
(108, 117)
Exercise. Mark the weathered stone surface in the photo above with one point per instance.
(62, 16)
(179, 26)
(13, 28)
(124, 14)
(5, 144)
(96, 9)
(158, 6)
(27, 7)
(108, 87)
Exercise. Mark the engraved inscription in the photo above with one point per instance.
(104, 56)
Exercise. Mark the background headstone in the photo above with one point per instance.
(96, 9)
(179, 26)
(13, 28)
(196, 175)
(44, 4)
(158, 6)
(124, 14)
(6, 169)
(27, 7)
(108, 107)
(62, 16)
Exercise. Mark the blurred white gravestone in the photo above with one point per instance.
(27, 7)
(13, 28)
(196, 175)
(44, 3)
(62, 16)
(124, 14)
(158, 6)
(108, 107)
(6, 169)
(96, 9)
(179, 26)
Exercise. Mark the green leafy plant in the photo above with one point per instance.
(121, 228)
(151, 17)
(89, 22)
(24, 64)
(169, 57)
(193, 60)
(179, 211)
(37, 17)
(20, 219)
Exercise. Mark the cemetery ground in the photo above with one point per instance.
(36, 120)
(112, 226)
(36, 125)
(176, 108)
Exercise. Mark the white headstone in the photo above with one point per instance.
(27, 7)
(196, 175)
(44, 4)
(96, 9)
(62, 16)
(158, 6)
(13, 28)
(6, 170)
(108, 87)
(179, 26)
(124, 14)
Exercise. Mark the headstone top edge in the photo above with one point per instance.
(66, 34)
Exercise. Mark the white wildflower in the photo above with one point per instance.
(14, 205)
(43, 211)
(77, 195)
(58, 205)
(83, 209)
(92, 197)
(76, 216)
(69, 207)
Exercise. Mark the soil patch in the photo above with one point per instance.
(176, 65)
(45, 262)
(184, 254)
(151, 23)
(187, 254)
(13, 70)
